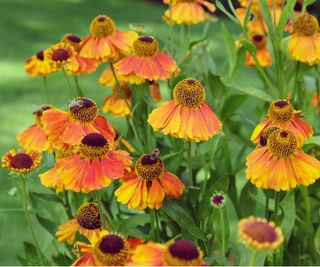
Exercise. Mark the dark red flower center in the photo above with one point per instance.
(184, 249)
(146, 39)
(298, 7)
(261, 232)
(21, 161)
(74, 38)
(94, 140)
(284, 134)
(281, 103)
(60, 54)
(218, 199)
(111, 244)
(40, 55)
(101, 19)
(191, 81)
(263, 140)
(258, 38)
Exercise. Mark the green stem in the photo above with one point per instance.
(25, 207)
(156, 224)
(267, 204)
(119, 85)
(102, 218)
(276, 206)
(68, 82)
(45, 82)
(253, 258)
(223, 233)
(79, 91)
(67, 204)
(191, 180)
(307, 205)
(170, 23)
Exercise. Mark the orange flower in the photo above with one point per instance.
(108, 79)
(148, 184)
(108, 249)
(187, 11)
(304, 45)
(59, 55)
(281, 113)
(105, 42)
(188, 115)
(278, 163)
(37, 66)
(86, 222)
(91, 168)
(262, 51)
(66, 129)
(79, 64)
(22, 161)
(117, 104)
(258, 233)
(146, 62)
(150, 254)
(35, 137)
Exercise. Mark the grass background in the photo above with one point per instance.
(27, 27)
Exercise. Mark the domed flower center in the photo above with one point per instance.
(60, 54)
(189, 93)
(21, 161)
(102, 26)
(281, 111)
(88, 216)
(94, 146)
(145, 46)
(259, 40)
(83, 110)
(184, 249)
(111, 250)
(282, 143)
(260, 231)
(265, 134)
(72, 40)
(306, 25)
(149, 166)
(218, 200)
(40, 55)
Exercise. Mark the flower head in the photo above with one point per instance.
(188, 115)
(37, 65)
(304, 45)
(91, 168)
(148, 183)
(218, 200)
(87, 222)
(280, 164)
(59, 55)
(282, 114)
(147, 62)
(34, 137)
(187, 11)
(258, 233)
(105, 42)
(21, 161)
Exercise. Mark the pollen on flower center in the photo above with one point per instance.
(306, 25)
(83, 110)
(102, 26)
(40, 55)
(88, 216)
(94, 146)
(111, 250)
(281, 111)
(149, 166)
(260, 232)
(266, 133)
(60, 54)
(189, 93)
(282, 143)
(146, 46)
(21, 161)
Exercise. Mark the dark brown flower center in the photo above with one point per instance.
(282, 143)
(184, 249)
(102, 26)
(111, 244)
(40, 55)
(74, 38)
(281, 111)
(60, 54)
(83, 110)
(146, 46)
(260, 231)
(88, 216)
(149, 166)
(306, 25)
(21, 161)
(94, 140)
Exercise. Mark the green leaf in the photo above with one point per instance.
(317, 240)
(249, 46)
(266, 13)
(47, 197)
(313, 140)
(231, 104)
(285, 15)
(182, 218)
(289, 210)
(205, 209)
(246, 253)
(32, 256)
(248, 89)
(230, 47)
(221, 7)
(248, 204)
(133, 221)
(47, 224)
